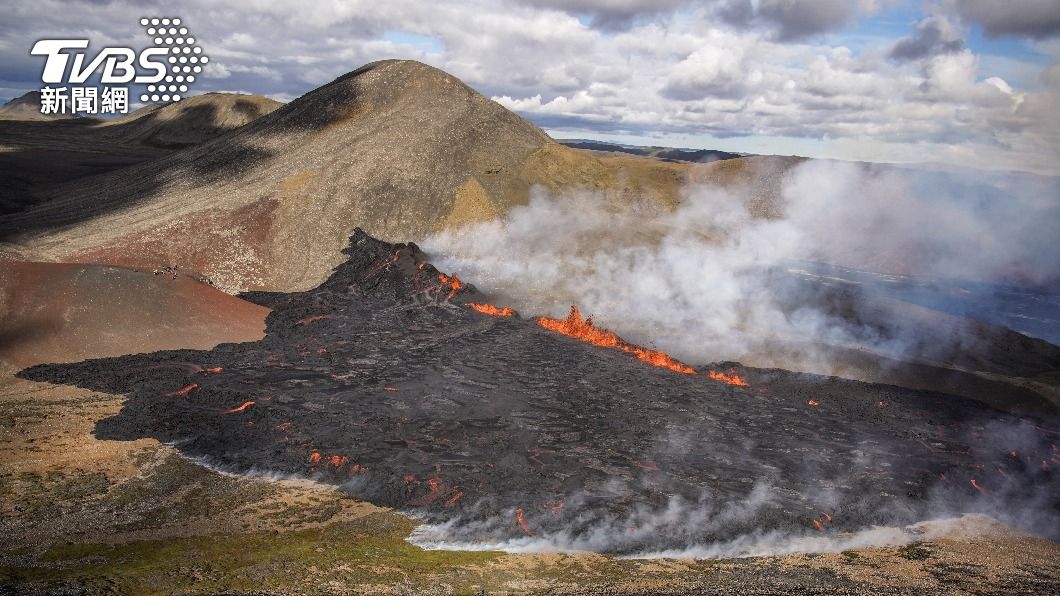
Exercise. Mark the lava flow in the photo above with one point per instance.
(491, 418)
(184, 391)
(519, 517)
(453, 282)
(731, 378)
(574, 326)
(491, 310)
(240, 408)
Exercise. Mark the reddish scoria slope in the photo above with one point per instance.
(61, 312)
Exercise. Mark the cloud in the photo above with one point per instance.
(794, 19)
(1037, 19)
(933, 35)
(612, 15)
(674, 68)
(785, 20)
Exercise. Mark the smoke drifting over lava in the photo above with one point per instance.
(724, 275)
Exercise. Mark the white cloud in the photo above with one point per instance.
(672, 69)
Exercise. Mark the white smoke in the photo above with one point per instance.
(701, 280)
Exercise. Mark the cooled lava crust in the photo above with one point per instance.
(382, 380)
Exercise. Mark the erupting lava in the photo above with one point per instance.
(453, 282)
(519, 517)
(574, 326)
(245, 405)
(731, 379)
(491, 310)
(182, 392)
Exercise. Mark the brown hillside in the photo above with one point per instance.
(396, 147)
(61, 312)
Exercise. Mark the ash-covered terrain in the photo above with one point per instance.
(504, 430)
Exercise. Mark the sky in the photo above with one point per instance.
(973, 83)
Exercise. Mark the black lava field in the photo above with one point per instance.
(383, 380)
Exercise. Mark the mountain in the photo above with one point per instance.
(397, 147)
(667, 153)
(27, 107)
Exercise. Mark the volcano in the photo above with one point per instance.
(494, 427)
(397, 147)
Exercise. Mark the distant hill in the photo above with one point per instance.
(36, 154)
(667, 153)
(27, 107)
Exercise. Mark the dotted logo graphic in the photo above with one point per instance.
(185, 58)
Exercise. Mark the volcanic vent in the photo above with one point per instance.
(386, 380)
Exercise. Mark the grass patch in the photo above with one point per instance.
(366, 551)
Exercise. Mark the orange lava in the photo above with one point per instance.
(283, 426)
(732, 378)
(818, 525)
(574, 326)
(453, 499)
(491, 310)
(522, 522)
(388, 388)
(976, 486)
(312, 318)
(453, 282)
(182, 392)
(314, 457)
(827, 517)
(338, 460)
(813, 402)
(245, 405)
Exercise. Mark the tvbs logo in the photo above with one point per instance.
(167, 68)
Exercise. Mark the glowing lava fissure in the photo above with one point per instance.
(730, 378)
(584, 330)
(491, 418)
(491, 310)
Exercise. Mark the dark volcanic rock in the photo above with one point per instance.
(383, 381)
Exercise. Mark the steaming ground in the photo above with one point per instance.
(497, 431)
(782, 282)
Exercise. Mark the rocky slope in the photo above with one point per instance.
(397, 147)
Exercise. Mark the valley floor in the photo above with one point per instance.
(83, 515)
